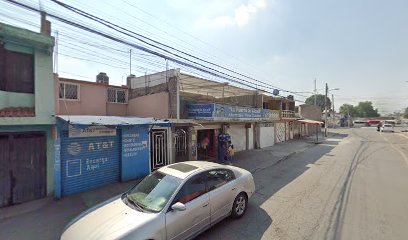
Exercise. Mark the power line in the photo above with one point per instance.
(146, 39)
(201, 67)
(229, 77)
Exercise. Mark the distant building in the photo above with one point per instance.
(203, 110)
(76, 97)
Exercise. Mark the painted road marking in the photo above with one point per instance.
(395, 148)
(401, 134)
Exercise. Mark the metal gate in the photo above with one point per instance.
(89, 162)
(180, 141)
(287, 131)
(158, 149)
(22, 167)
(280, 132)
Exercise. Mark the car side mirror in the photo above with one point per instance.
(178, 206)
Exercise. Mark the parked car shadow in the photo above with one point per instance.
(251, 226)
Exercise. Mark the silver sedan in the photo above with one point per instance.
(178, 201)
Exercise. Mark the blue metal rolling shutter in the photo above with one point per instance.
(89, 162)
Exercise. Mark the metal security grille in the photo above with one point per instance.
(89, 162)
(158, 148)
(280, 132)
(287, 131)
(180, 141)
(117, 95)
(68, 91)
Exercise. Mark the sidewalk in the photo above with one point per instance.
(46, 218)
(257, 159)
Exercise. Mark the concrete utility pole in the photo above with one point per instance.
(333, 111)
(315, 90)
(325, 111)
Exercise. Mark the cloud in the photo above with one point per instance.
(241, 15)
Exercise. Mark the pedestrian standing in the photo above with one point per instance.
(231, 152)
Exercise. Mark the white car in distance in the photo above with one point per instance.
(178, 201)
(387, 128)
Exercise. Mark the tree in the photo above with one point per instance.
(366, 109)
(406, 113)
(319, 101)
(348, 109)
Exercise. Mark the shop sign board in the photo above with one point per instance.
(90, 131)
(135, 152)
(217, 111)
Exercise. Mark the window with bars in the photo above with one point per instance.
(117, 95)
(69, 91)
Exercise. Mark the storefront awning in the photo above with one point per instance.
(111, 120)
(308, 121)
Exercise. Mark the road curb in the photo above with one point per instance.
(282, 159)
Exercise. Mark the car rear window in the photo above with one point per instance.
(183, 167)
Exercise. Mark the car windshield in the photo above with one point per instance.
(154, 191)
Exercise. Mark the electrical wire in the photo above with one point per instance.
(207, 71)
(145, 40)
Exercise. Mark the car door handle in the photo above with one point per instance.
(205, 205)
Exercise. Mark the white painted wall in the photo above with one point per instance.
(251, 137)
(238, 137)
(152, 79)
(267, 136)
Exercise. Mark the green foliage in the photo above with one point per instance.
(406, 113)
(348, 109)
(319, 101)
(366, 109)
(363, 109)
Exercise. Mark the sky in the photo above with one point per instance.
(360, 47)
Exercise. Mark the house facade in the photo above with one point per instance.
(94, 151)
(26, 115)
(202, 111)
(76, 97)
(100, 140)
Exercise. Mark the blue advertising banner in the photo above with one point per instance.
(226, 111)
(57, 168)
(236, 112)
(89, 162)
(201, 111)
(135, 152)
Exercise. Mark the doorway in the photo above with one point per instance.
(207, 145)
(158, 149)
(180, 144)
(22, 167)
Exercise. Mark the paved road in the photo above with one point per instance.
(354, 186)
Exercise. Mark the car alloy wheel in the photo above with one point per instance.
(239, 206)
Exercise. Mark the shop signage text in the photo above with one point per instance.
(90, 131)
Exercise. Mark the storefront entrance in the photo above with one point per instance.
(207, 143)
